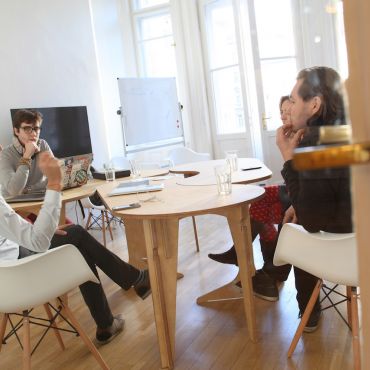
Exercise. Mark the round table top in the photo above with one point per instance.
(178, 200)
(250, 170)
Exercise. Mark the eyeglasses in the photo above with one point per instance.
(29, 129)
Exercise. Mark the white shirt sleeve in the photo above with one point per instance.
(37, 236)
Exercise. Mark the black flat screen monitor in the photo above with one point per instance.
(66, 130)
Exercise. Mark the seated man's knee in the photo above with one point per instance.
(75, 230)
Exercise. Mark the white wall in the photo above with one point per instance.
(110, 59)
(48, 58)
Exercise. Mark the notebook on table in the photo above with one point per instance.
(135, 186)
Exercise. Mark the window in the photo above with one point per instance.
(341, 40)
(277, 54)
(154, 38)
(143, 4)
(224, 67)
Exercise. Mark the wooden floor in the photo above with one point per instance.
(207, 337)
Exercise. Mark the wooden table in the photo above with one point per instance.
(68, 195)
(250, 170)
(202, 173)
(155, 225)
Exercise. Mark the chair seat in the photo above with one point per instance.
(329, 256)
(34, 280)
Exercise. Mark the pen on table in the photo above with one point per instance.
(251, 168)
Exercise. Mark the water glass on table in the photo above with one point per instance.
(109, 171)
(223, 179)
(232, 159)
(135, 167)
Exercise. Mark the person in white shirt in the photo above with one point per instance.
(19, 239)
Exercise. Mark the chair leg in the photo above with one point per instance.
(305, 317)
(355, 330)
(85, 337)
(103, 228)
(108, 223)
(195, 233)
(26, 342)
(349, 305)
(55, 329)
(88, 221)
(4, 321)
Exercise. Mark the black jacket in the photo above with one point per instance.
(321, 198)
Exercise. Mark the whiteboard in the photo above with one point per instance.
(151, 115)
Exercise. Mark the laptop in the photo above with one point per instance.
(135, 186)
(75, 170)
(28, 197)
(74, 173)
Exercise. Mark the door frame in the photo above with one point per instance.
(357, 30)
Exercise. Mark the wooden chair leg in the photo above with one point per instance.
(108, 223)
(26, 342)
(305, 317)
(349, 305)
(88, 221)
(56, 331)
(355, 330)
(195, 233)
(85, 337)
(103, 228)
(4, 321)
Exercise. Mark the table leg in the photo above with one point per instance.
(161, 240)
(136, 243)
(227, 292)
(62, 217)
(239, 223)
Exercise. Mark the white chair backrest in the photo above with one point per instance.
(86, 203)
(149, 165)
(185, 155)
(121, 163)
(331, 257)
(35, 280)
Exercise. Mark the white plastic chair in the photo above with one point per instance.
(330, 257)
(37, 280)
(121, 163)
(183, 155)
(92, 219)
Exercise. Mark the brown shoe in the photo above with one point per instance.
(104, 336)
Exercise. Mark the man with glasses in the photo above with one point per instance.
(19, 171)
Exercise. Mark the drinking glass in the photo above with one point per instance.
(232, 159)
(135, 168)
(110, 173)
(223, 178)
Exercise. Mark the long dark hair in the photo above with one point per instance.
(282, 100)
(325, 83)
